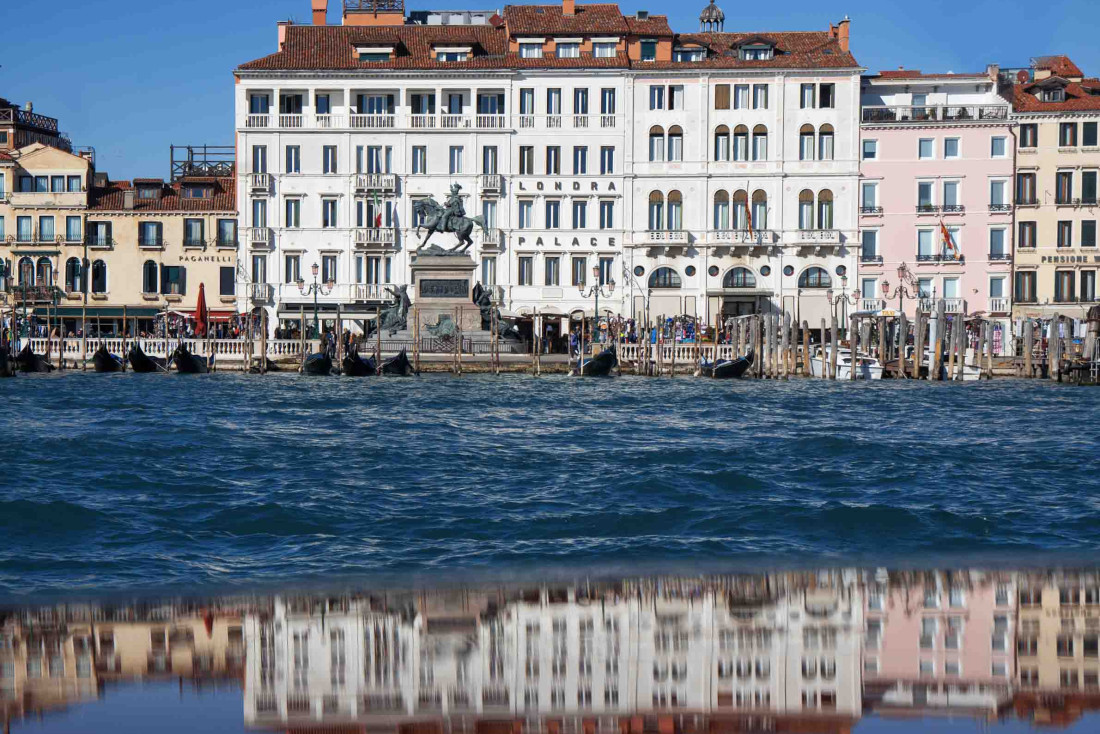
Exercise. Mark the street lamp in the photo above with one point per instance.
(906, 288)
(324, 289)
(594, 290)
(842, 297)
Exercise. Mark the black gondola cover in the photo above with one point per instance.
(317, 364)
(190, 364)
(142, 362)
(7, 363)
(104, 361)
(600, 365)
(356, 366)
(398, 364)
(28, 361)
(728, 369)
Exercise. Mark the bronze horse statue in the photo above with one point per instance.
(430, 215)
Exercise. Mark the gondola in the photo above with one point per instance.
(398, 365)
(28, 361)
(600, 365)
(317, 364)
(142, 362)
(104, 361)
(727, 369)
(269, 367)
(190, 364)
(7, 364)
(356, 366)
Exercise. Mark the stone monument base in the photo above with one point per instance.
(442, 286)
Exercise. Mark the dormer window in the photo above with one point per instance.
(604, 49)
(692, 53)
(374, 54)
(148, 192)
(198, 192)
(757, 52)
(648, 50)
(1054, 95)
(530, 50)
(453, 53)
(569, 49)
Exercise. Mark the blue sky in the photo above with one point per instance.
(131, 78)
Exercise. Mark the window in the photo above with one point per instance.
(1088, 233)
(328, 213)
(721, 96)
(924, 244)
(527, 101)
(806, 143)
(925, 148)
(870, 150)
(553, 101)
(722, 143)
(814, 277)
(826, 98)
(825, 143)
(292, 268)
(998, 147)
(607, 214)
(664, 278)
(46, 230)
(656, 144)
(739, 278)
(1025, 236)
(604, 50)
(293, 217)
(675, 143)
(328, 158)
(553, 160)
(806, 98)
(526, 214)
(259, 159)
(1067, 135)
(194, 234)
(1063, 187)
(148, 277)
(1065, 234)
(1025, 188)
(740, 96)
(869, 195)
(805, 209)
(675, 211)
(580, 211)
(721, 211)
(1029, 135)
(869, 244)
(149, 234)
(530, 50)
(756, 53)
(552, 271)
(657, 97)
(446, 56)
(997, 244)
(455, 159)
(1064, 293)
(72, 229)
(259, 268)
(579, 270)
(1025, 286)
(57, 184)
(293, 159)
(656, 211)
(760, 96)
(1088, 187)
(997, 197)
(1088, 134)
(1088, 294)
(489, 270)
(607, 101)
(648, 50)
(553, 214)
(526, 160)
(526, 266)
(419, 159)
(607, 160)
(825, 209)
(173, 280)
(950, 147)
(760, 143)
(580, 101)
(580, 160)
(72, 183)
(950, 195)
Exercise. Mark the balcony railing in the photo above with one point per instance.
(743, 236)
(259, 182)
(872, 304)
(375, 182)
(819, 236)
(491, 122)
(491, 183)
(1000, 257)
(935, 113)
(384, 236)
(153, 242)
(373, 122)
(1000, 207)
(368, 292)
(927, 209)
(492, 239)
(257, 121)
(870, 259)
(1026, 201)
(261, 292)
(401, 120)
(870, 210)
(99, 241)
(291, 121)
(670, 236)
(454, 122)
(939, 257)
(954, 305)
(998, 305)
(30, 119)
(953, 209)
(259, 235)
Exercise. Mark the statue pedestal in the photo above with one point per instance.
(441, 284)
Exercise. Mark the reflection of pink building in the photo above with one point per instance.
(936, 149)
(940, 640)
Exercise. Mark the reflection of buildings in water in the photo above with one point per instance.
(189, 646)
(45, 667)
(748, 648)
(940, 641)
(1058, 644)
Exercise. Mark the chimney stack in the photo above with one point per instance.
(320, 12)
(568, 7)
(128, 199)
(282, 26)
(842, 34)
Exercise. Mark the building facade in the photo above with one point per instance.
(594, 145)
(937, 157)
(1057, 164)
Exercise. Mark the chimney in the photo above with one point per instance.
(842, 34)
(282, 26)
(320, 11)
(128, 199)
(29, 107)
(568, 7)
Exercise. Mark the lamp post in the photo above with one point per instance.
(842, 297)
(907, 287)
(324, 289)
(595, 289)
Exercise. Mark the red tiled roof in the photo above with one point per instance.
(1083, 96)
(594, 19)
(1059, 65)
(793, 50)
(110, 197)
(918, 74)
(6, 156)
(654, 25)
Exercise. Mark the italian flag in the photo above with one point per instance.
(377, 211)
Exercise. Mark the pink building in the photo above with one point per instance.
(937, 154)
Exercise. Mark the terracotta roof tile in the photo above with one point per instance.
(1059, 65)
(794, 50)
(1083, 96)
(593, 19)
(110, 197)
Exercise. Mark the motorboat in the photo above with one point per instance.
(867, 368)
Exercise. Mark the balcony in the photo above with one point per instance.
(872, 304)
(953, 209)
(998, 305)
(759, 237)
(261, 292)
(492, 239)
(939, 257)
(368, 292)
(454, 122)
(257, 121)
(259, 182)
(927, 209)
(491, 183)
(291, 121)
(1000, 207)
(870, 210)
(372, 122)
(151, 243)
(951, 305)
(381, 182)
(867, 259)
(384, 237)
(101, 241)
(259, 235)
(490, 122)
(818, 237)
(1000, 257)
(668, 236)
(935, 113)
(1027, 201)
(1066, 201)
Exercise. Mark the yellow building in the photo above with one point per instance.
(1058, 638)
(45, 668)
(1057, 168)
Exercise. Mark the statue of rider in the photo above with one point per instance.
(452, 209)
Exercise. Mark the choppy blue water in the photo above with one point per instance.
(150, 482)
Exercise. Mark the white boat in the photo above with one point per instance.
(867, 368)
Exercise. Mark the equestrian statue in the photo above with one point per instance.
(451, 217)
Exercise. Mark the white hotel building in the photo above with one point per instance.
(585, 138)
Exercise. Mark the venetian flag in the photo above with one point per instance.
(748, 211)
(377, 211)
(949, 241)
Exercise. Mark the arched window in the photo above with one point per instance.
(740, 143)
(825, 143)
(739, 278)
(806, 143)
(45, 271)
(721, 210)
(99, 277)
(760, 143)
(656, 211)
(806, 209)
(656, 143)
(675, 211)
(814, 278)
(664, 278)
(825, 209)
(722, 143)
(675, 143)
(759, 209)
(740, 210)
(74, 275)
(26, 271)
(149, 277)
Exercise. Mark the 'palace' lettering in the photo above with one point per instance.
(592, 242)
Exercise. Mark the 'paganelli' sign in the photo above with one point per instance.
(206, 259)
(444, 288)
